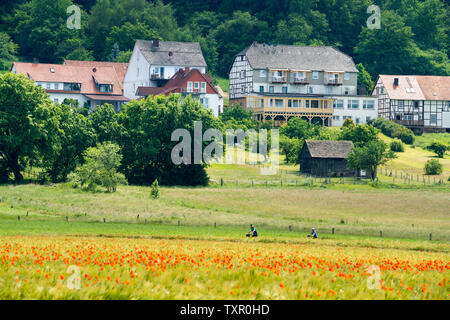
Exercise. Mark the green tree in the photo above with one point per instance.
(75, 135)
(100, 168)
(360, 134)
(369, 156)
(301, 129)
(8, 49)
(249, 29)
(28, 124)
(438, 148)
(124, 56)
(126, 35)
(154, 193)
(41, 30)
(105, 123)
(433, 167)
(364, 79)
(348, 122)
(146, 139)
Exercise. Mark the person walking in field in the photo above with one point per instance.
(313, 234)
(253, 233)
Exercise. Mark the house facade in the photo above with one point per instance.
(91, 85)
(326, 158)
(421, 103)
(153, 63)
(278, 82)
(189, 82)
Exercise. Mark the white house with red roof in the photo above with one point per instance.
(154, 62)
(189, 82)
(421, 103)
(90, 83)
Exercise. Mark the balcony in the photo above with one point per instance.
(334, 82)
(278, 79)
(193, 92)
(157, 76)
(297, 80)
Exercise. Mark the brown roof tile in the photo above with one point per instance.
(329, 149)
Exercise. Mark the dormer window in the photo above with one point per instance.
(105, 87)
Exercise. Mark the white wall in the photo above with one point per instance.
(138, 74)
(360, 113)
(304, 89)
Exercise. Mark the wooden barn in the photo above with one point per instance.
(326, 158)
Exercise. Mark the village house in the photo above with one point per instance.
(318, 84)
(90, 83)
(189, 82)
(326, 158)
(153, 63)
(421, 103)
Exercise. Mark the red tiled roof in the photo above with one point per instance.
(72, 74)
(177, 83)
(424, 87)
(121, 68)
(435, 87)
(106, 97)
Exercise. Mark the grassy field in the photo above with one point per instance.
(118, 268)
(57, 242)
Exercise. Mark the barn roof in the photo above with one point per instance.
(329, 149)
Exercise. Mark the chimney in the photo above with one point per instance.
(156, 43)
(396, 82)
(35, 60)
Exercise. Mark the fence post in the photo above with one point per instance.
(221, 182)
(431, 236)
(332, 230)
(178, 222)
(290, 228)
(381, 234)
(214, 225)
(104, 220)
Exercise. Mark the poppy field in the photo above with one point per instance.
(60, 267)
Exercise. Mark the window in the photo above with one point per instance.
(407, 117)
(433, 119)
(261, 88)
(262, 73)
(242, 74)
(262, 103)
(284, 90)
(290, 103)
(72, 86)
(196, 85)
(307, 104)
(278, 103)
(48, 85)
(368, 119)
(338, 104)
(271, 89)
(310, 90)
(353, 104)
(315, 104)
(189, 86)
(203, 87)
(315, 75)
(357, 120)
(105, 88)
(295, 104)
(369, 104)
(336, 117)
(56, 100)
(400, 104)
(346, 76)
(270, 102)
(346, 91)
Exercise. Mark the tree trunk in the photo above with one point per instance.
(13, 164)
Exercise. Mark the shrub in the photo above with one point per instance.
(433, 167)
(397, 146)
(438, 148)
(154, 193)
(394, 130)
(100, 168)
(348, 123)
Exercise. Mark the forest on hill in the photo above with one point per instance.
(413, 38)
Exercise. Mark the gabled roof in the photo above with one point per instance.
(41, 72)
(263, 56)
(416, 87)
(176, 84)
(435, 87)
(171, 53)
(121, 68)
(328, 149)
